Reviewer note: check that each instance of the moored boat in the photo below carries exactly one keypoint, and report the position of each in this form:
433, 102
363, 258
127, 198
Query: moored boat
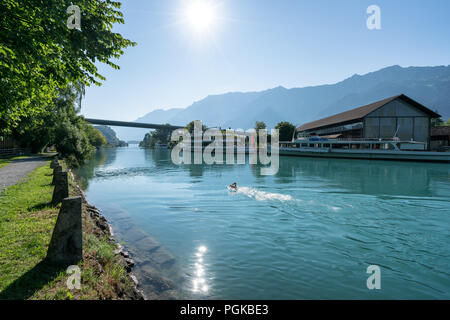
376, 149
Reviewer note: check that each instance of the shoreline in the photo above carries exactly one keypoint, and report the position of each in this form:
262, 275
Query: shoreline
105, 230
29, 220
159, 285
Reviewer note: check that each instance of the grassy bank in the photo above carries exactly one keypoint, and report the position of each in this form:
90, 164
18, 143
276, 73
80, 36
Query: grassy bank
27, 220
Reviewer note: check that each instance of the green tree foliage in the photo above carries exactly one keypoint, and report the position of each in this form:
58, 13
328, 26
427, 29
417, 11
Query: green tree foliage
437, 122
286, 130
111, 137
40, 55
190, 127
60, 125
96, 138
260, 125
148, 142
72, 142
161, 135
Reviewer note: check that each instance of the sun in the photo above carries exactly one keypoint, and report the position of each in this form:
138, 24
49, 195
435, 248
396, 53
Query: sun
201, 15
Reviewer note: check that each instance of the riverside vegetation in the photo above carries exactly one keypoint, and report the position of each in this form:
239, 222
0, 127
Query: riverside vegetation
45, 67
163, 135
27, 219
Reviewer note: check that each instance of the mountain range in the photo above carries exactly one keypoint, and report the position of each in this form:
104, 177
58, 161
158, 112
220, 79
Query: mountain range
428, 85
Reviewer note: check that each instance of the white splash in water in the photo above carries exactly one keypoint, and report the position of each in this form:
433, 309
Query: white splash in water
263, 196
334, 208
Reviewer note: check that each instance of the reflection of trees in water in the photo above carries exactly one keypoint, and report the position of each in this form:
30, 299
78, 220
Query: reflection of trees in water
367, 177
256, 170
357, 176
159, 157
195, 170
111, 155
162, 160
86, 172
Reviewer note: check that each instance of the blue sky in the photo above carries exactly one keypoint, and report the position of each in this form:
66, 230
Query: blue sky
253, 45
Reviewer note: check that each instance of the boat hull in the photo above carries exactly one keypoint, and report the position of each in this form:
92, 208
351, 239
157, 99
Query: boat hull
369, 154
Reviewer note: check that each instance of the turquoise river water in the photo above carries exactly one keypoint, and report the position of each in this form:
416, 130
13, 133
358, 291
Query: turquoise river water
308, 232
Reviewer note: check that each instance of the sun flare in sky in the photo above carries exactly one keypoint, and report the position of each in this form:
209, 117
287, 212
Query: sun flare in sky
201, 15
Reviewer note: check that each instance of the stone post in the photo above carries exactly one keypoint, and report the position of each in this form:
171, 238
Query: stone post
56, 171
61, 190
54, 164
66, 245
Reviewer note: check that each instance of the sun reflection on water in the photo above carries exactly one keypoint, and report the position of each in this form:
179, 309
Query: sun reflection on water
199, 284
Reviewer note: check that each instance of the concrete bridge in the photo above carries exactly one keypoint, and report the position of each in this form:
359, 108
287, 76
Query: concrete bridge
131, 124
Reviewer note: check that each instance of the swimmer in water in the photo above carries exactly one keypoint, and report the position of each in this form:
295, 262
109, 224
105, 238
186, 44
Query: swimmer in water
233, 186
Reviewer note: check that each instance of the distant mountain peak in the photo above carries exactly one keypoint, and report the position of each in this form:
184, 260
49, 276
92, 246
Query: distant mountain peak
427, 85
393, 67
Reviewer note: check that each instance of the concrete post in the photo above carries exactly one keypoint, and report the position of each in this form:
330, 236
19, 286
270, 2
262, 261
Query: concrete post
66, 245
54, 164
61, 190
56, 171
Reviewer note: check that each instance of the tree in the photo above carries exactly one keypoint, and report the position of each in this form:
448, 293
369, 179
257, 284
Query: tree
69, 131
260, 125
60, 125
72, 142
96, 138
190, 127
286, 130
110, 136
435, 122
161, 135
40, 55
148, 141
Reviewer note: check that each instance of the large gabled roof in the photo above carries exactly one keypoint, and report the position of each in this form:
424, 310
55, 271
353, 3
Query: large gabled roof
361, 112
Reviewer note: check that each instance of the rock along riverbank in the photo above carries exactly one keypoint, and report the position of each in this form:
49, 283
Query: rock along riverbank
143, 258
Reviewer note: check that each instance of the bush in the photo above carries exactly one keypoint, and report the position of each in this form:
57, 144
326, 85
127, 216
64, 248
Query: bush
286, 130
96, 138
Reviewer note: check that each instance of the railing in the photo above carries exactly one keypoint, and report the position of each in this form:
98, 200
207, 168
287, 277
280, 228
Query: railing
354, 139
443, 149
6, 143
13, 152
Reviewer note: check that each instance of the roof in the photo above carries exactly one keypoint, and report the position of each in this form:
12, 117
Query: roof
361, 112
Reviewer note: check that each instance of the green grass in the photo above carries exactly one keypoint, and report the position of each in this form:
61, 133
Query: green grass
26, 224
27, 220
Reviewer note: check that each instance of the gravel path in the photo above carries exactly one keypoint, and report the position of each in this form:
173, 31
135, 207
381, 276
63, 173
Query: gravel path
16, 170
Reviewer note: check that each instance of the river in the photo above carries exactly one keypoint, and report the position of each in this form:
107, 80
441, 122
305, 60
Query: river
308, 232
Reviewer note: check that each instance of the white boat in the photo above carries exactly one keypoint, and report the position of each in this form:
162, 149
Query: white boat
374, 149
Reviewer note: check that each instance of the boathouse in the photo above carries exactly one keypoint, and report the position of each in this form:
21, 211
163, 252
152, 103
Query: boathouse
398, 116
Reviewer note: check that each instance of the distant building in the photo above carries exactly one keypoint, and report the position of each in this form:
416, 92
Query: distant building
440, 137
398, 116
